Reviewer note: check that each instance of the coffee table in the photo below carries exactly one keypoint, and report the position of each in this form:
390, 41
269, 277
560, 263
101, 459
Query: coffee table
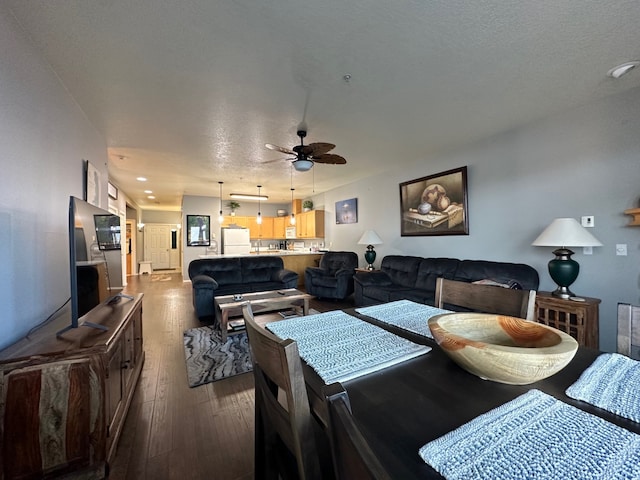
227, 306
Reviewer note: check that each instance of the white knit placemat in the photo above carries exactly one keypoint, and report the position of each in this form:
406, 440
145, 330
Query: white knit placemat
536, 436
405, 314
612, 383
340, 347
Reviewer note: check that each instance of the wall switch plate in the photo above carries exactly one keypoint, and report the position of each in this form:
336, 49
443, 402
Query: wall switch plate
587, 250
621, 249
588, 221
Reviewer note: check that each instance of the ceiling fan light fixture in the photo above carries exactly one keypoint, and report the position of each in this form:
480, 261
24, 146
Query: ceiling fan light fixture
302, 165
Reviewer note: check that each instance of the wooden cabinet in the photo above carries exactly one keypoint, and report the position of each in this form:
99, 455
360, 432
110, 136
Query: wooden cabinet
236, 220
65, 399
279, 226
265, 230
310, 224
578, 319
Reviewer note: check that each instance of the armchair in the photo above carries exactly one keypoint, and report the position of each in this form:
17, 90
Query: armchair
333, 277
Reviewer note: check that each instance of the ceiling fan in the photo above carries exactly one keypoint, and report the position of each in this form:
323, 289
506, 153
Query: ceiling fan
307, 155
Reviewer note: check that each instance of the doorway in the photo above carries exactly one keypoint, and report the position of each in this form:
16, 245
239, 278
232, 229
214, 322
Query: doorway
162, 245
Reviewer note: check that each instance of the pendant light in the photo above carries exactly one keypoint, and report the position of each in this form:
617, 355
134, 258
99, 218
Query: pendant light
259, 217
292, 219
220, 216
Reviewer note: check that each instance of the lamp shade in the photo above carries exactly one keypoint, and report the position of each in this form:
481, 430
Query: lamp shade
370, 237
566, 232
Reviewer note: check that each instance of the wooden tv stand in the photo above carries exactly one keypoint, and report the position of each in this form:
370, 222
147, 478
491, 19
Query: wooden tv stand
64, 400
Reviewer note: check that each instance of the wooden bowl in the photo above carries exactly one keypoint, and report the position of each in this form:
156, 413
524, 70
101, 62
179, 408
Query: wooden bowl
503, 349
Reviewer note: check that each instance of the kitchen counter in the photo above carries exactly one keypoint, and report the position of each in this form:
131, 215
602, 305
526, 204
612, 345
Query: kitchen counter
263, 252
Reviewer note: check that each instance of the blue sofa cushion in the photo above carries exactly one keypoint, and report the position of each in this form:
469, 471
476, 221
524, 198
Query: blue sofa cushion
402, 270
432, 268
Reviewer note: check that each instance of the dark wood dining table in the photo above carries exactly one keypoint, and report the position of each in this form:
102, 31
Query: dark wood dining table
402, 407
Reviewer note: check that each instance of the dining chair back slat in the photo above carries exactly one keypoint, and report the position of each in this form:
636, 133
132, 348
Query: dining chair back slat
351, 454
282, 405
629, 330
485, 298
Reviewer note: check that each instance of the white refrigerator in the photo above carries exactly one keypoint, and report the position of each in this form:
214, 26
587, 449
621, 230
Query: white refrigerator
235, 241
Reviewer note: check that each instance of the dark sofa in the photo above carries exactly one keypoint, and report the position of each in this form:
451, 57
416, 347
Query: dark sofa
212, 277
414, 278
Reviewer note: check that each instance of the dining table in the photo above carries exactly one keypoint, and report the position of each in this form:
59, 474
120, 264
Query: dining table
402, 407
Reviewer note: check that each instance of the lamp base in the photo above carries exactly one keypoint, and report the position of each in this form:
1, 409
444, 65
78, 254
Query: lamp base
370, 257
563, 292
564, 271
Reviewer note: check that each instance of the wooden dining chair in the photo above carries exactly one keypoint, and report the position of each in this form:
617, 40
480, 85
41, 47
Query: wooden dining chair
283, 416
352, 457
485, 298
629, 330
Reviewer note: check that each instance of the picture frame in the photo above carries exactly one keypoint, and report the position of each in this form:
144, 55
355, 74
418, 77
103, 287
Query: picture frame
91, 183
113, 190
347, 211
198, 230
435, 205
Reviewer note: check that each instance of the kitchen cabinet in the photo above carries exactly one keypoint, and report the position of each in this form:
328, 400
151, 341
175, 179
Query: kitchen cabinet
310, 224
65, 399
236, 220
279, 226
261, 231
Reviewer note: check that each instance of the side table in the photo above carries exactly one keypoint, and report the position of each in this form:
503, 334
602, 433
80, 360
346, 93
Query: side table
578, 319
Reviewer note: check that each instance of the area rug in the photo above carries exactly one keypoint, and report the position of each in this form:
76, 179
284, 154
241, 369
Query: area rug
209, 360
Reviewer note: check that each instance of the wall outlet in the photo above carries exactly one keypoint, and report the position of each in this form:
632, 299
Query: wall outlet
587, 250
588, 221
621, 249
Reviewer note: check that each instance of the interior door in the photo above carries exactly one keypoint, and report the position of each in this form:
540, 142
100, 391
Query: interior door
157, 245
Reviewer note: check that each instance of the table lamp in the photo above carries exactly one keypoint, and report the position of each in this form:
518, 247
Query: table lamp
563, 233
370, 238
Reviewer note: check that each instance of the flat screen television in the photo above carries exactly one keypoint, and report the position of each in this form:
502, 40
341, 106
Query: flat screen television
95, 264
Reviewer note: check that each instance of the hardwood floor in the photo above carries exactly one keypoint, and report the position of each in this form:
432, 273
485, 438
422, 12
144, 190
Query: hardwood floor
173, 431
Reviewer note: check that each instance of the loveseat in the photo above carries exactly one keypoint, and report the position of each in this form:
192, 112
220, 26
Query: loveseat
211, 277
414, 278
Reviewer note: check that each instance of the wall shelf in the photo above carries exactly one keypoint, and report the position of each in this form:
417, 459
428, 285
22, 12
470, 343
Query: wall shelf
635, 213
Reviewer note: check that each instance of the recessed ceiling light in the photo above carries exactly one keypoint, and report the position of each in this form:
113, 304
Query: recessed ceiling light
620, 70
151, 197
141, 179
148, 191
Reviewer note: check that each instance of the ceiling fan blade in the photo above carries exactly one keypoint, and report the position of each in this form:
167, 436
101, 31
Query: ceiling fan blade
278, 160
331, 158
271, 146
320, 148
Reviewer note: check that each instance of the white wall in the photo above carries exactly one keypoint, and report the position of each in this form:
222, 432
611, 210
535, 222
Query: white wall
43, 138
582, 162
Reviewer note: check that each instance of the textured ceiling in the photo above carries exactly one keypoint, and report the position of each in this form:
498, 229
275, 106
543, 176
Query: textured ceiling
187, 92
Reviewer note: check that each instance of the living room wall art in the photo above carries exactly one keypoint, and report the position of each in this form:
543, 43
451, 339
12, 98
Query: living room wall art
347, 211
198, 228
91, 183
435, 205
